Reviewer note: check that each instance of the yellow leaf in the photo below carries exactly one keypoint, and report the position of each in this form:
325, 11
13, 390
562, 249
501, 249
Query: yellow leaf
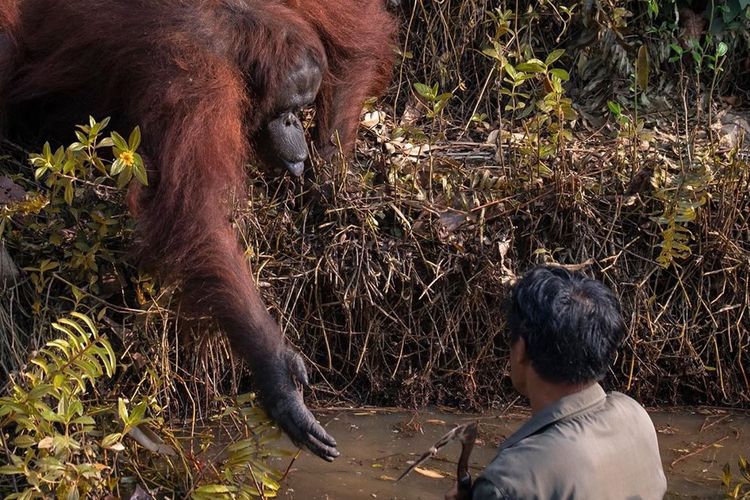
429, 473
45, 443
642, 68
111, 439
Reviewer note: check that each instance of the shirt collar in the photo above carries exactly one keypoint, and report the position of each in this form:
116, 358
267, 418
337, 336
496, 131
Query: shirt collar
562, 408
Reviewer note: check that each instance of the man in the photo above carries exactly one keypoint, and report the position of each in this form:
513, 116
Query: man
580, 441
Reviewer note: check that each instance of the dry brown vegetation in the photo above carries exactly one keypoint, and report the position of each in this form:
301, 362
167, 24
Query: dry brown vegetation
390, 275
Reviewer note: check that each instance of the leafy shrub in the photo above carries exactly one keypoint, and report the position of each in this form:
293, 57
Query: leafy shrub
52, 430
71, 229
64, 438
67, 420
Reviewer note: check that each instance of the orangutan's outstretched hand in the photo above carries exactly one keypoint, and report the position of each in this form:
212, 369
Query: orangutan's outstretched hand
283, 401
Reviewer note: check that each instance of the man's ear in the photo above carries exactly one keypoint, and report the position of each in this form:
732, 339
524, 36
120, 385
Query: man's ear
518, 350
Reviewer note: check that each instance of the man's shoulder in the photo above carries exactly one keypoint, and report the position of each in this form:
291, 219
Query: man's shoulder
619, 398
547, 446
615, 438
571, 435
628, 409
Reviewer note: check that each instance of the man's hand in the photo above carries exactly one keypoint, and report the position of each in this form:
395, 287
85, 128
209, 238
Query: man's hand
462, 491
452, 494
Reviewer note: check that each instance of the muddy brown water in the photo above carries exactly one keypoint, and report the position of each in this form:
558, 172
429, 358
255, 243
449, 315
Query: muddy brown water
376, 446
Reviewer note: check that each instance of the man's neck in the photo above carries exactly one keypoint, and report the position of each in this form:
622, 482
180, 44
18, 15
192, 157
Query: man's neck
542, 393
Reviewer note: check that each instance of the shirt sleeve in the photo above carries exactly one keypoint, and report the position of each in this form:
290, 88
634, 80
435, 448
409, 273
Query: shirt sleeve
484, 490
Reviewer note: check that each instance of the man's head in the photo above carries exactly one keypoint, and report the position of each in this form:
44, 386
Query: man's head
564, 325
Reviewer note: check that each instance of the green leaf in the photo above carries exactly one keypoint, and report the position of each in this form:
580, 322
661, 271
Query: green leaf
40, 391
111, 366
560, 73
424, 90
531, 66
491, 52
122, 410
554, 56
722, 49
124, 178
215, 488
111, 439
84, 420
24, 441
135, 138
69, 166
76, 326
444, 97
48, 265
136, 416
89, 323
60, 344
77, 293
41, 363
69, 192
11, 469
139, 170
117, 167
57, 158
119, 141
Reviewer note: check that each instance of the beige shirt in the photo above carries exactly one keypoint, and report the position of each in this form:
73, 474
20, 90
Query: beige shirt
586, 445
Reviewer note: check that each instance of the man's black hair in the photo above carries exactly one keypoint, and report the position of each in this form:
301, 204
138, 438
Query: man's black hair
571, 324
